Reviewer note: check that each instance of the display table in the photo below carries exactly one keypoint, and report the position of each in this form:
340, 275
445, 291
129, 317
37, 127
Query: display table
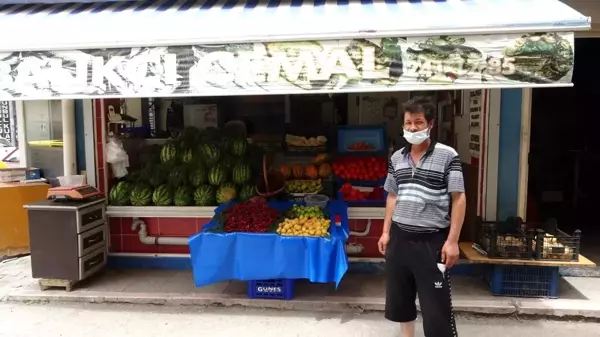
218, 257
472, 256
521, 278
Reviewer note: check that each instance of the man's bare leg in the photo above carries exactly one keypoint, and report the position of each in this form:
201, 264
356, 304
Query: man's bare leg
408, 329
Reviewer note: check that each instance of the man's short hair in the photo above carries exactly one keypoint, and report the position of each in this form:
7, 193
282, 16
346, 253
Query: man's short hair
420, 104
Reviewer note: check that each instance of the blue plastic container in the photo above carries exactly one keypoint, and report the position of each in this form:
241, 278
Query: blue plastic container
33, 174
281, 289
524, 281
372, 134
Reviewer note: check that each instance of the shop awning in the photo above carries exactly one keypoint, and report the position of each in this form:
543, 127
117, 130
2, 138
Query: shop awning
230, 47
188, 22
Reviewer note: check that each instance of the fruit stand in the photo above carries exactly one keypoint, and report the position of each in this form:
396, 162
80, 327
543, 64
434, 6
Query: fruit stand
275, 240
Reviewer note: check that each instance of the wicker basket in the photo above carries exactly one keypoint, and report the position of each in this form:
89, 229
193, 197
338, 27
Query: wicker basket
271, 183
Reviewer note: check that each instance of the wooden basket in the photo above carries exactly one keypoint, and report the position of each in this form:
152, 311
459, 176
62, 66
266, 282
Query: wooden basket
271, 182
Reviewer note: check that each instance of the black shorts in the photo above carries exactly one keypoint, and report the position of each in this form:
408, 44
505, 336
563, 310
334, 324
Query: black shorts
411, 268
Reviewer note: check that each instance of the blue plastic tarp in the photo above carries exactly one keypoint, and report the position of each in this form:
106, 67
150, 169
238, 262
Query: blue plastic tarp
218, 257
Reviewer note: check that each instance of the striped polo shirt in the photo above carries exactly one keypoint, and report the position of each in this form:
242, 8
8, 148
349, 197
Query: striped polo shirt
423, 190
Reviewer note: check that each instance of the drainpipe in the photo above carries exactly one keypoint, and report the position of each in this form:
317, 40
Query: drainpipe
155, 240
69, 138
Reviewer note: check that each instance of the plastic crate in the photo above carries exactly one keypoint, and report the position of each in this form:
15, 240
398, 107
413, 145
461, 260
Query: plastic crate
363, 203
505, 240
556, 246
278, 289
524, 281
374, 135
33, 174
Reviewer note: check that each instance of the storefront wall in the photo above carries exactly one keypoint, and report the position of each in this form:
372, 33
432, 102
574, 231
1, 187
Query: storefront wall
175, 222
92, 74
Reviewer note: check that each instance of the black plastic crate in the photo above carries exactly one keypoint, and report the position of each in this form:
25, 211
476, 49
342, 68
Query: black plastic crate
557, 246
552, 244
505, 239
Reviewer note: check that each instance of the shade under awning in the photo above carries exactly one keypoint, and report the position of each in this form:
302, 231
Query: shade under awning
188, 22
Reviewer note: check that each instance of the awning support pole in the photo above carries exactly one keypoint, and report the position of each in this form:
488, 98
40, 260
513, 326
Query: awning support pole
69, 138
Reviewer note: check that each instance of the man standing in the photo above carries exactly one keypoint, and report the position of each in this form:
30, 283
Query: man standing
420, 234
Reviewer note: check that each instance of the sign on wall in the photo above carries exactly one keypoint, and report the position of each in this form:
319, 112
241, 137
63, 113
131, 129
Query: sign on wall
388, 64
475, 119
5, 124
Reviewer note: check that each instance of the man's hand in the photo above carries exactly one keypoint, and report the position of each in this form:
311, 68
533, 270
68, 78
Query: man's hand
383, 242
449, 253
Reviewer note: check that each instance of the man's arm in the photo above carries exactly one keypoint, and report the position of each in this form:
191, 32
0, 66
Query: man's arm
390, 204
456, 187
459, 206
391, 187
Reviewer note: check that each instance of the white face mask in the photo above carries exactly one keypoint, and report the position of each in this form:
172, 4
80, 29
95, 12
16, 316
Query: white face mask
416, 138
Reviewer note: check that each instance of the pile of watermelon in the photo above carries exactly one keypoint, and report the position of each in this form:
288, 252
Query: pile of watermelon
199, 168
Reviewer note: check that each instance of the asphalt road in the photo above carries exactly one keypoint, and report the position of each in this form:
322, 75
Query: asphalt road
90, 320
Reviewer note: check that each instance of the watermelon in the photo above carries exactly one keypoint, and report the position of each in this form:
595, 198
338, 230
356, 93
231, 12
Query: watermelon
184, 196
168, 153
198, 177
239, 146
177, 176
228, 161
187, 156
119, 194
241, 173
133, 176
157, 176
226, 143
211, 154
191, 134
217, 176
246, 193
141, 195
162, 196
225, 194
204, 195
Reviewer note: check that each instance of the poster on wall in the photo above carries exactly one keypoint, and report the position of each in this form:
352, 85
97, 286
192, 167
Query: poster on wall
359, 65
475, 111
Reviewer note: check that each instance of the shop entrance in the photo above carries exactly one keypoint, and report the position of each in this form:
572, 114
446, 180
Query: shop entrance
565, 152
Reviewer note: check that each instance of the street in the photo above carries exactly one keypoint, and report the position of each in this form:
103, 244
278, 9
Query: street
89, 320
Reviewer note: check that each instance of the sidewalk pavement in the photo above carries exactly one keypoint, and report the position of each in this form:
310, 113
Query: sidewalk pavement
579, 297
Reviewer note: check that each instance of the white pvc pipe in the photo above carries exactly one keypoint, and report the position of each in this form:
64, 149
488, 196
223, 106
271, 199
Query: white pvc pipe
365, 232
354, 249
155, 240
22, 134
69, 139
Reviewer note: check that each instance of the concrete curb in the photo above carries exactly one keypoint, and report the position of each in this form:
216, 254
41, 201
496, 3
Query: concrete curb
549, 308
328, 304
